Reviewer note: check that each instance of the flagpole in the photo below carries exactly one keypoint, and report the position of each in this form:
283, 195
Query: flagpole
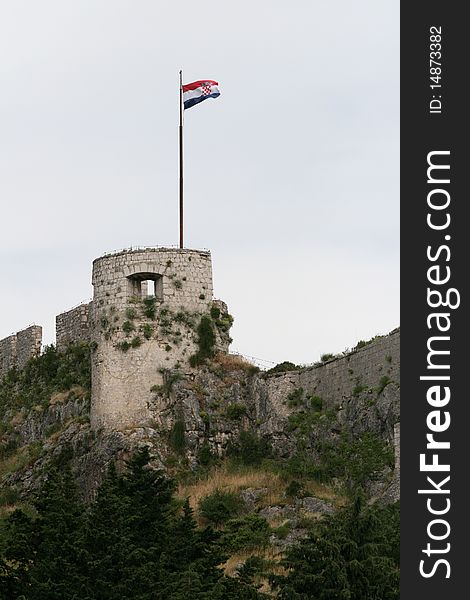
181, 158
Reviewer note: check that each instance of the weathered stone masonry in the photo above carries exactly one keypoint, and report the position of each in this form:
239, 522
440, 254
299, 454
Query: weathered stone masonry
73, 326
17, 349
336, 380
180, 281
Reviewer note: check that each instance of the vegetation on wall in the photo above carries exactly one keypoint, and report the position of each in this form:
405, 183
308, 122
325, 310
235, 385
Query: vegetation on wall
205, 341
283, 367
250, 448
177, 437
45, 375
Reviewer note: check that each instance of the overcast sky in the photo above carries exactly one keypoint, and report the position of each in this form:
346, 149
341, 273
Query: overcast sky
292, 174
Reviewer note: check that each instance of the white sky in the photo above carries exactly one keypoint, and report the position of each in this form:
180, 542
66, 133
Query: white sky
292, 174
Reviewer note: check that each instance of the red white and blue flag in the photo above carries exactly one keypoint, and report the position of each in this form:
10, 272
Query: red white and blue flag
196, 92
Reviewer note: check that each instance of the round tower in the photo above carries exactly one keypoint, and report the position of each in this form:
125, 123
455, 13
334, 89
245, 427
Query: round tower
147, 306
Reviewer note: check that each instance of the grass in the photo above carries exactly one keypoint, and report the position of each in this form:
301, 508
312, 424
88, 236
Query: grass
230, 478
233, 362
76, 391
269, 555
23, 457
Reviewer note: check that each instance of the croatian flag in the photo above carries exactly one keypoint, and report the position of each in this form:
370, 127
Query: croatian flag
196, 92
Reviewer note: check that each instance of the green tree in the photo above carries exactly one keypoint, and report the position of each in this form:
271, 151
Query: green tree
350, 556
45, 548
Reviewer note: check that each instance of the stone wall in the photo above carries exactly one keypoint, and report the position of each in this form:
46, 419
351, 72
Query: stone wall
7, 354
338, 379
17, 349
73, 326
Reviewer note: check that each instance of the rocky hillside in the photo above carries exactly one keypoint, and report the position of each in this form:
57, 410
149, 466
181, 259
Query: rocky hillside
273, 451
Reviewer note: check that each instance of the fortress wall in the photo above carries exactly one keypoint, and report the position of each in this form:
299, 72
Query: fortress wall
73, 326
28, 344
7, 354
17, 349
335, 380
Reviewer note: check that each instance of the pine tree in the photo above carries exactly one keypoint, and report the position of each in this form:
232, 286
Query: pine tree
106, 540
348, 557
45, 549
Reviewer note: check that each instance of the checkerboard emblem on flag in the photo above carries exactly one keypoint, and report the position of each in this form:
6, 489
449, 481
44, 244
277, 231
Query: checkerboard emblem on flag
196, 92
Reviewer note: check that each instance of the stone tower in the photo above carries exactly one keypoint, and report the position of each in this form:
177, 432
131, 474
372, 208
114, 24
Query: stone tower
147, 305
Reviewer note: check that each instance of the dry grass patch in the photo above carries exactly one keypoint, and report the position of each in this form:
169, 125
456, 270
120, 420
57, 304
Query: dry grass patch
324, 492
227, 480
17, 419
22, 457
269, 554
233, 362
75, 391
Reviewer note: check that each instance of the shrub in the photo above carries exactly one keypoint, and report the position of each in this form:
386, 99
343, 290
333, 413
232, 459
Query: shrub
354, 460
177, 436
254, 566
326, 357
147, 330
250, 448
384, 381
206, 341
224, 322
305, 421
131, 313
246, 533
316, 403
185, 318
295, 489
136, 341
215, 312
301, 465
358, 389
149, 307
169, 378
283, 530
9, 496
123, 346
283, 367
235, 411
295, 397
220, 506
205, 455
127, 327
